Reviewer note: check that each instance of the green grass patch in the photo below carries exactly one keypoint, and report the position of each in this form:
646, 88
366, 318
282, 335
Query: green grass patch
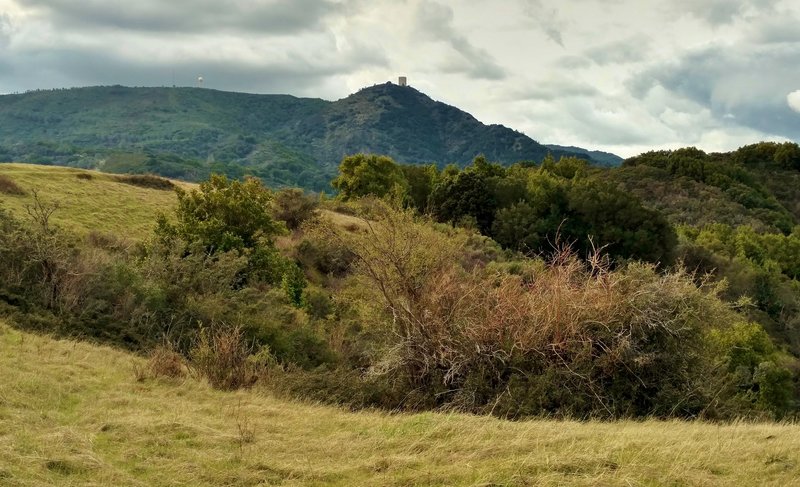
91, 200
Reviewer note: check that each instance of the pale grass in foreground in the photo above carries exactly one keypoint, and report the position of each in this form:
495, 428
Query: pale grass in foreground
72, 413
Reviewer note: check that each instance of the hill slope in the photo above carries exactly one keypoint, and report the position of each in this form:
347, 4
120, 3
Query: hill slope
88, 200
189, 132
73, 413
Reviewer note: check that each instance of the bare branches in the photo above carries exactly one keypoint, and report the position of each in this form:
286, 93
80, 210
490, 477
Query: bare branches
40, 211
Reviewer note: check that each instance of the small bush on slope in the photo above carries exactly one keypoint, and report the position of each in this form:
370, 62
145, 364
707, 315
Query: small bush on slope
9, 186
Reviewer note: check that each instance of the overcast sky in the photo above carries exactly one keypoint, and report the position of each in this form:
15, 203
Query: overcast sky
618, 75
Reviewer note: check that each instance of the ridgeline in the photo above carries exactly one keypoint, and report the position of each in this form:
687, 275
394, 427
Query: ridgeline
188, 133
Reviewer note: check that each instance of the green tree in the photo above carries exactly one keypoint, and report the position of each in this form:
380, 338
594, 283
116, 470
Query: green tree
368, 174
421, 181
468, 194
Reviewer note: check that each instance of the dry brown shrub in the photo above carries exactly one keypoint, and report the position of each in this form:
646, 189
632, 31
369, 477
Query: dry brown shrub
109, 241
10, 187
222, 355
163, 361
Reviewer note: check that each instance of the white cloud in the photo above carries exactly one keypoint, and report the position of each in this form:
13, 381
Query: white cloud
793, 99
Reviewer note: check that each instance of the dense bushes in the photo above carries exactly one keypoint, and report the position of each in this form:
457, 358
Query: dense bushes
570, 338
168, 289
387, 307
523, 208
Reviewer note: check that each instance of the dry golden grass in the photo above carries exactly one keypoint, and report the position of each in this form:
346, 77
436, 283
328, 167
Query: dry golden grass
97, 203
74, 414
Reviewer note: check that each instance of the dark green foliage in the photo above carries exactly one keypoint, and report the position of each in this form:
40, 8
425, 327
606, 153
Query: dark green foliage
469, 193
520, 227
752, 359
328, 258
421, 180
615, 220
744, 178
536, 210
293, 283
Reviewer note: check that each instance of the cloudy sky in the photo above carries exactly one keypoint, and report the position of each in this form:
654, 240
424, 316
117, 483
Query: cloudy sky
618, 75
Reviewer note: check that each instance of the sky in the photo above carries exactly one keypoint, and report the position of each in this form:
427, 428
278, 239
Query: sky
625, 76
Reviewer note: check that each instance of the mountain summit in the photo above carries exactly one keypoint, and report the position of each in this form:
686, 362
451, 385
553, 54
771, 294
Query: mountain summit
190, 132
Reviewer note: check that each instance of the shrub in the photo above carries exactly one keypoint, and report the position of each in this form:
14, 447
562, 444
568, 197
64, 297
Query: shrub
329, 257
225, 215
10, 187
224, 359
293, 207
293, 283
163, 361
150, 181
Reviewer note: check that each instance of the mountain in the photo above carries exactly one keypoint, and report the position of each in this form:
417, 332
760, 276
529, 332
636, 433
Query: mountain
189, 132
599, 157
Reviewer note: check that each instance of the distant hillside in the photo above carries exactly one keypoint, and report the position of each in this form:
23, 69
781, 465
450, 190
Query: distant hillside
757, 185
189, 132
601, 158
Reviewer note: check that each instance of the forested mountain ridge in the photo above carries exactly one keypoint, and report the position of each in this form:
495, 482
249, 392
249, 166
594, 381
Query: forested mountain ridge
189, 133
599, 157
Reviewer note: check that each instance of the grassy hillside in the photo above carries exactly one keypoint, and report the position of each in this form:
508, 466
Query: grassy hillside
74, 414
189, 132
102, 202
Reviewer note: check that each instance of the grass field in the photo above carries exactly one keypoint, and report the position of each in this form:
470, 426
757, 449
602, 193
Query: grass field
74, 414
101, 202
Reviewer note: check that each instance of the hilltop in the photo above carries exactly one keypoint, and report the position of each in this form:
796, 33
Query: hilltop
188, 133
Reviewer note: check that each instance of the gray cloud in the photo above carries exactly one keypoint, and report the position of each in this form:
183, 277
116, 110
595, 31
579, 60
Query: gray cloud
554, 89
435, 21
734, 85
632, 49
5, 29
574, 62
297, 71
545, 19
776, 30
721, 12
263, 16
76, 67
